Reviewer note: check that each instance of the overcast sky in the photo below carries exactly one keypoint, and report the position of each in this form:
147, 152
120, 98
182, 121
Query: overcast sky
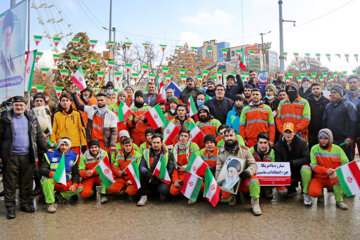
322, 26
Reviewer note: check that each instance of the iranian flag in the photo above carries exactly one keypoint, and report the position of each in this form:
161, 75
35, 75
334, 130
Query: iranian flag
192, 107
196, 165
241, 59
170, 132
307, 55
192, 186
347, 57
56, 40
290, 76
296, 55
37, 39
212, 189
205, 73
111, 44
124, 112
199, 78
224, 52
338, 54
128, 45
111, 64
328, 55
133, 172
60, 174
93, 62
128, 67
135, 76
58, 92
100, 75
152, 77
284, 54
165, 70
146, 46
161, 172
168, 78
161, 91
105, 172
78, 79
318, 56
209, 51
75, 41
74, 60
93, 43
145, 68
155, 117
178, 47
195, 133
118, 76
194, 49
207, 98
182, 71
56, 57
29, 70
63, 73
40, 88
183, 78
356, 57
38, 56
349, 178
44, 72
163, 47
219, 74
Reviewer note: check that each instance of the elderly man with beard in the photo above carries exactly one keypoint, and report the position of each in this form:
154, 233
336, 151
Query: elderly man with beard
137, 122
325, 158
207, 124
102, 123
249, 181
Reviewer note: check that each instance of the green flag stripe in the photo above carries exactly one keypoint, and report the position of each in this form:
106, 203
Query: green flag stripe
342, 181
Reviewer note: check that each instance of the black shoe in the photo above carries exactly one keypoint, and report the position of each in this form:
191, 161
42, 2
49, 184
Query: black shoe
36, 191
1, 193
10, 214
27, 209
74, 198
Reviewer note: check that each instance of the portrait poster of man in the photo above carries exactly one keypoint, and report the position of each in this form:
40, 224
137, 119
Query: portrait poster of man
12, 52
229, 179
263, 77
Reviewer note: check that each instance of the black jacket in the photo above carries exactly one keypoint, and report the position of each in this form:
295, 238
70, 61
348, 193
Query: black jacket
185, 94
37, 140
274, 104
298, 156
317, 111
144, 167
220, 108
236, 89
153, 100
209, 92
305, 94
341, 118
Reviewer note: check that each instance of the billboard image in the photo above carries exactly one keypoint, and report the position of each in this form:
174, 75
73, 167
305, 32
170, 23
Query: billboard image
12, 43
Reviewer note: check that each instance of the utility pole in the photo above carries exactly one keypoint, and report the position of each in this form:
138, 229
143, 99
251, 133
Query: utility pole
110, 29
281, 20
12, 3
263, 49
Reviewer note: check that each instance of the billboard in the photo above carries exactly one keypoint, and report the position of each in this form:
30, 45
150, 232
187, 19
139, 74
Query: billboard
12, 52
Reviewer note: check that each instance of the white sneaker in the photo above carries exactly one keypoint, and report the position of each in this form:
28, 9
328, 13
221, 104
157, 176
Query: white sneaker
256, 206
342, 205
51, 208
142, 200
307, 200
104, 199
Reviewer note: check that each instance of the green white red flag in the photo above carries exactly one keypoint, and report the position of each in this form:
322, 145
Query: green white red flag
145, 69
124, 112
328, 55
161, 172
356, 57
37, 39
318, 55
111, 44
349, 178
93, 43
132, 170
209, 51
128, 67
56, 57
224, 52
163, 47
56, 40
347, 57
183, 78
219, 74
100, 75
199, 78
78, 79
60, 174
93, 62
152, 77
178, 47
38, 56
29, 70
284, 54
75, 41
118, 75
194, 49
182, 71
146, 46
191, 187
170, 132
168, 78
307, 55
63, 73
135, 76
128, 45
74, 60
338, 54
192, 106
296, 55
195, 133
242, 63
165, 70
211, 189
205, 73
155, 117
196, 165
44, 72
105, 172
111, 64
58, 92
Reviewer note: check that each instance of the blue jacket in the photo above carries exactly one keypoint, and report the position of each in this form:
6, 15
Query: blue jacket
233, 121
341, 118
261, 87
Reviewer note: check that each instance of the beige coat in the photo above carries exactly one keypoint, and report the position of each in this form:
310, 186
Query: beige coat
244, 152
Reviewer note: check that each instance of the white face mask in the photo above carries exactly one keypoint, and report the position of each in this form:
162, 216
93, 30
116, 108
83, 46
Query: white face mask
306, 85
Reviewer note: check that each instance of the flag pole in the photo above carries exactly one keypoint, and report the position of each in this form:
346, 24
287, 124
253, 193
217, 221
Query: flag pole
28, 44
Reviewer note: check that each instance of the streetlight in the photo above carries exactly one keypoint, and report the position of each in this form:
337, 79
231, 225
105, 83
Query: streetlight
281, 20
262, 48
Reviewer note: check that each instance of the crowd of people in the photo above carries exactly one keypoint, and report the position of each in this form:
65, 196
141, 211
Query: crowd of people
275, 122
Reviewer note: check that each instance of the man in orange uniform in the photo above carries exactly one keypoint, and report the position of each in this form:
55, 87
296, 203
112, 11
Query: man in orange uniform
88, 161
102, 123
206, 123
137, 123
182, 152
209, 153
256, 118
181, 119
86, 98
294, 109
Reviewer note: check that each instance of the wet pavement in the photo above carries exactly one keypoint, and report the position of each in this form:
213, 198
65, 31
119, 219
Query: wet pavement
285, 218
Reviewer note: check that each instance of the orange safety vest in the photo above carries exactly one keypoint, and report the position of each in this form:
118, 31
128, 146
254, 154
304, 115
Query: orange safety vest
97, 131
211, 161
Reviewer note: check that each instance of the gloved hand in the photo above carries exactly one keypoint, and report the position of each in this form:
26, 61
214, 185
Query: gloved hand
148, 176
245, 174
